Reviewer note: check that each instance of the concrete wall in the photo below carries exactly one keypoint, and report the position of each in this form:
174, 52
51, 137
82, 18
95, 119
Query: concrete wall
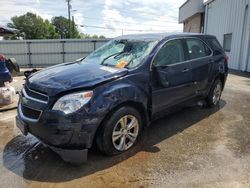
193, 24
43, 53
231, 16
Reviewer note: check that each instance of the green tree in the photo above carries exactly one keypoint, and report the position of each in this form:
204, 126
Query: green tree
87, 36
52, 33
33, 26
62, 25
102, 37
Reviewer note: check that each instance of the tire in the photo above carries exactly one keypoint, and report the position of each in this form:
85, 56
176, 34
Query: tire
213, 98
109, 141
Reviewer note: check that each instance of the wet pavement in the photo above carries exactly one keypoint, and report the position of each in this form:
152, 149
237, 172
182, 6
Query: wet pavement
196, 147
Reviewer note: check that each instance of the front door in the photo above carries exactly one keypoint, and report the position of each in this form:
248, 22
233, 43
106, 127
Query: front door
171, 76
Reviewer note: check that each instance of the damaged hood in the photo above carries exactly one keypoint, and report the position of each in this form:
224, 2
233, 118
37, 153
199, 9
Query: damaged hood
69, 76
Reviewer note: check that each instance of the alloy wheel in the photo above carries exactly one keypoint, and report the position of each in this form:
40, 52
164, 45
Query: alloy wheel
125, 132
217, 93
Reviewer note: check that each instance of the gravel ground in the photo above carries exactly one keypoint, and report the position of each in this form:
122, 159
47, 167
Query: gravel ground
196, 147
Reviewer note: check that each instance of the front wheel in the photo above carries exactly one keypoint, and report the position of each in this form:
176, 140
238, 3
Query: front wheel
214, 95
120, 131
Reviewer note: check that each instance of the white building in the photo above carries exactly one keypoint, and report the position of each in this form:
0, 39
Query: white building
229, 21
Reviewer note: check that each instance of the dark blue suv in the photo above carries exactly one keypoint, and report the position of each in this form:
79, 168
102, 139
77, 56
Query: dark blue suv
109, 96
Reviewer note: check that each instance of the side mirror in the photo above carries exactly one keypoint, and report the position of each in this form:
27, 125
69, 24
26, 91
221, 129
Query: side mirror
161, 73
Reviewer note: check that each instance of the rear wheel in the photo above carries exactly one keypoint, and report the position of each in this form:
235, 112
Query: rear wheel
214, 95
120, 131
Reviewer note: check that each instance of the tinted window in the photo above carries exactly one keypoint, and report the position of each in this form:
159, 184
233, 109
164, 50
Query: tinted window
172, 52
227, 42
197, 49
218, 50
216, 44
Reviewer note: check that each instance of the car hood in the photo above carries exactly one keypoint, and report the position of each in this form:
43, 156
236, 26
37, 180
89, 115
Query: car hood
70, 76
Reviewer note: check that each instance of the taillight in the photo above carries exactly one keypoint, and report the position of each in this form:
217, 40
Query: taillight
226, 58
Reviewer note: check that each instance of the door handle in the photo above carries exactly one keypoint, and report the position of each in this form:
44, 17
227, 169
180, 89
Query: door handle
185, 70
211, 61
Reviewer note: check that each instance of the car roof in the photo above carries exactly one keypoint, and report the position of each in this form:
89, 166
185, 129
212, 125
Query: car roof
159, 36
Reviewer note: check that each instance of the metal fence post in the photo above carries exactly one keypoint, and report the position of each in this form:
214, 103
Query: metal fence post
29, 54
94, 42
63, 50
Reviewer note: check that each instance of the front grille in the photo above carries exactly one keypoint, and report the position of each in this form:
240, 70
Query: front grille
30, 113
34, 95
28, 110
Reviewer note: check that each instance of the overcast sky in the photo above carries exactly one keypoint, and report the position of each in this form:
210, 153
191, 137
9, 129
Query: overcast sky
114, 15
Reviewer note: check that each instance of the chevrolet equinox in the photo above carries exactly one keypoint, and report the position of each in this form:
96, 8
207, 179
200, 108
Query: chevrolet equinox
108, 97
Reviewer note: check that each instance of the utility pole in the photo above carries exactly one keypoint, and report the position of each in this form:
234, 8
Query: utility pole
73, 22
69, 7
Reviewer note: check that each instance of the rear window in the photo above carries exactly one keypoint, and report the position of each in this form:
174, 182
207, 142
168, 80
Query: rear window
214, 43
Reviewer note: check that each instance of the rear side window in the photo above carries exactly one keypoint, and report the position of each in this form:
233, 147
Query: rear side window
218, 50
216, 44
170, 53
197, 49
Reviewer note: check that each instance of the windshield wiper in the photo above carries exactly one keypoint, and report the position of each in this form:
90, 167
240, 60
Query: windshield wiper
116, 54
102, 63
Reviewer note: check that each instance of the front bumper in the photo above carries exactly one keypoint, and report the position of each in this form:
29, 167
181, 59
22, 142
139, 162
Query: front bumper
69, 136
58, 130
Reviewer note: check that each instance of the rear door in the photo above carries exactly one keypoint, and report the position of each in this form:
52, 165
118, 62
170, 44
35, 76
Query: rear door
171, 76
201, 61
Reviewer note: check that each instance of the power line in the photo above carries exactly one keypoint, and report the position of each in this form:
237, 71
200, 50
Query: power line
124, 10
138, 25
129, 13
133, 15
130, 23
109, 28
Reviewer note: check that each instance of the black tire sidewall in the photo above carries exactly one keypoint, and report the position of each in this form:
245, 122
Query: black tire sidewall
105, 136
211, 93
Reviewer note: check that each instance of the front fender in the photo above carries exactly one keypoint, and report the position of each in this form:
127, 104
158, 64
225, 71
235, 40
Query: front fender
113, 94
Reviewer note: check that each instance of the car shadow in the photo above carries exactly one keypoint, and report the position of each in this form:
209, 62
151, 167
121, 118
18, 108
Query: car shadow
30, 159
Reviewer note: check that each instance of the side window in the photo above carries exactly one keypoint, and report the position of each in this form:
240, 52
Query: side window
218, 50
216, 43
197, 49
172, 52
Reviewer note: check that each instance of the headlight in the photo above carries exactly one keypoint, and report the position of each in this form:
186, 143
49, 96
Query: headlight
72, 102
